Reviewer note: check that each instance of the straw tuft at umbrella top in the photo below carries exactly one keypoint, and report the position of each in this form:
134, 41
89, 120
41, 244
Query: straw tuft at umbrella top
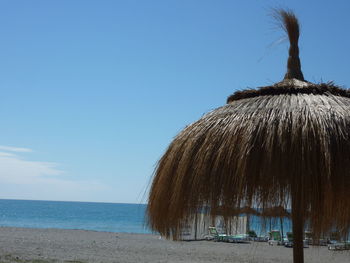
290, 25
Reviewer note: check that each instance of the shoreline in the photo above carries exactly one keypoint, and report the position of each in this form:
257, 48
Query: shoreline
48, 245
73, 229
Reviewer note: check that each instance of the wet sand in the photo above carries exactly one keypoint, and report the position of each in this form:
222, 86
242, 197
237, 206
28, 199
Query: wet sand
27, 245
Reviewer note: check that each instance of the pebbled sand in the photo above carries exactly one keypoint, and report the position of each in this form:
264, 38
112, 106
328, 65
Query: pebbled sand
26, 245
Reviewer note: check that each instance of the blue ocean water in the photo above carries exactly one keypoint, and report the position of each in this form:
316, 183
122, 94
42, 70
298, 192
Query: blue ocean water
108, 217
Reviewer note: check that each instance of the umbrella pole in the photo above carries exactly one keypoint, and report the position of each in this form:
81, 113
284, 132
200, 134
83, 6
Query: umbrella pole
298, 227
281, 222
248, 224
195, 226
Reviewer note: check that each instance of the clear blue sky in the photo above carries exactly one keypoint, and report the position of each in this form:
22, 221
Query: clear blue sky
92, 92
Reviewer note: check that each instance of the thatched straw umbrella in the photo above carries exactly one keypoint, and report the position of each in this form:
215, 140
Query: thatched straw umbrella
288, 143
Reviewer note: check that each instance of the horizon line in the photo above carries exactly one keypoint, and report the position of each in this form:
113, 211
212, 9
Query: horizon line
72, 201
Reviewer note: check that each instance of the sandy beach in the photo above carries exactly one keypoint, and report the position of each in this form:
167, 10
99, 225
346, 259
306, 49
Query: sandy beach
55, 245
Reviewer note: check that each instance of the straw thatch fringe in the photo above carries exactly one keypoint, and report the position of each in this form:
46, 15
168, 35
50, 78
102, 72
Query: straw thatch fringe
291, 87
252, 152
276, 211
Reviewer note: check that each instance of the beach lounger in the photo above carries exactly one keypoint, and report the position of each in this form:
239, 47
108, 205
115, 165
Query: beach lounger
289, 242
275, 238
308, 237
254, 237
335, 242
215, 234
334, 237
262, 239
242, 238
315, 241
339, 246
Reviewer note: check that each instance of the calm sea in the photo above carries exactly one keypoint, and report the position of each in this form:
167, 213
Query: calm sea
108, 217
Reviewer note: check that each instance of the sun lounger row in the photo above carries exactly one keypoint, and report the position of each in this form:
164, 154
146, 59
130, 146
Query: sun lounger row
275, 238
241, 238
339, 246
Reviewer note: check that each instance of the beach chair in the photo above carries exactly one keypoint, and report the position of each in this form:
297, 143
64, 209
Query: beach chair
275, 238
289, 242
252, 234
334, 237
213, 232
335, 242
319, 242
254, 237
241, 238
340, 246
309, 236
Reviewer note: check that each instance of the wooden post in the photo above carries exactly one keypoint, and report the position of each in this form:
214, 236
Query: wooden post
248, 223
195, 225
298, 225
281, 222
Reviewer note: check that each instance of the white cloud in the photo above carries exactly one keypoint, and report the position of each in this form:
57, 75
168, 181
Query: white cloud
4, 154
13, 169
24, 179
14, 149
